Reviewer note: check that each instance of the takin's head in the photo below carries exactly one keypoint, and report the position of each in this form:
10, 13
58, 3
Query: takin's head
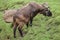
45, 10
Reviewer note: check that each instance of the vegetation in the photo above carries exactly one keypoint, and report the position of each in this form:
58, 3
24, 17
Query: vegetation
44, 28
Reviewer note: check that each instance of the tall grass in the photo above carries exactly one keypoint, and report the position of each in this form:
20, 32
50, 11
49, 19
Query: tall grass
44, 28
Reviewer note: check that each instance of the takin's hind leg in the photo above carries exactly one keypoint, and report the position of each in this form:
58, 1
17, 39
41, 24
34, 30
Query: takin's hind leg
20, 29
14, 30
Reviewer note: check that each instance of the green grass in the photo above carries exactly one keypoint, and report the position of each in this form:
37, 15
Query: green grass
44, 28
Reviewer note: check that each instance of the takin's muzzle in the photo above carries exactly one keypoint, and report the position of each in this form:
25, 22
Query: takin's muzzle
49, 13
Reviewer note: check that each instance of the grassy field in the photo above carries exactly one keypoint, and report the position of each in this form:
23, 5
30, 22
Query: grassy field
44, 28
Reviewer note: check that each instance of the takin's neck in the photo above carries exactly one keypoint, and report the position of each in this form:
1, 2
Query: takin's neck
35, 13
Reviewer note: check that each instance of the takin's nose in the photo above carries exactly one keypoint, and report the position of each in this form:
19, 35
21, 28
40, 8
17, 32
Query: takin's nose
49, 13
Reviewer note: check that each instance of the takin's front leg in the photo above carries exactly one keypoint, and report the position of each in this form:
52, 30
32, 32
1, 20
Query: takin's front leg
27, 24
31, 20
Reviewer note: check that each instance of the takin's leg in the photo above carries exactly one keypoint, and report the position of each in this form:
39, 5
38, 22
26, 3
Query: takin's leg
31, 20
20, 29
14, 29
27, 24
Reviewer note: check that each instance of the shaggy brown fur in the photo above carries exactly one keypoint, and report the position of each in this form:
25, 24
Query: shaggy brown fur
8, 15
27, 13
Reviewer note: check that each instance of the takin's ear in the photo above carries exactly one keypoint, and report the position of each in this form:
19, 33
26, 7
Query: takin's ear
45, 5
